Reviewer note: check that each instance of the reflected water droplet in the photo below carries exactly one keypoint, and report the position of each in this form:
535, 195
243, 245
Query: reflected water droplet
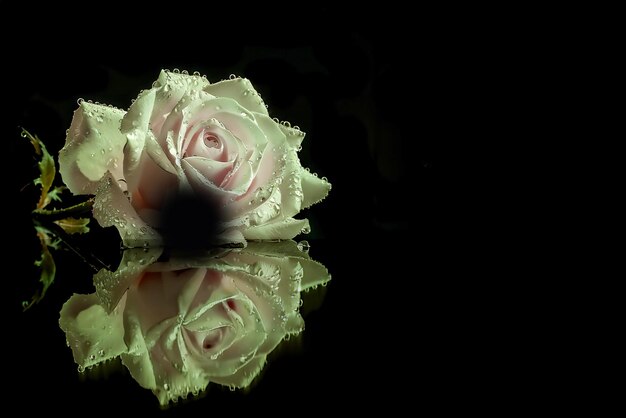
304, 246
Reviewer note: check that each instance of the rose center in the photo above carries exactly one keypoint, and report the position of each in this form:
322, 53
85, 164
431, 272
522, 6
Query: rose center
212, 339
211, 141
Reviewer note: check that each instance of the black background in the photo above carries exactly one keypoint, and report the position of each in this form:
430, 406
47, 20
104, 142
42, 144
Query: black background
384, 106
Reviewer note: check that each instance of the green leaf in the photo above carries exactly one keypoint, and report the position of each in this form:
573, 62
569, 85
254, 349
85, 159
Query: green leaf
55, 194
73, 225
47, 267
47, 170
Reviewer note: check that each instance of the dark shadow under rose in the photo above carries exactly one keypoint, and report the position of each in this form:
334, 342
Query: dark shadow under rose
181, 324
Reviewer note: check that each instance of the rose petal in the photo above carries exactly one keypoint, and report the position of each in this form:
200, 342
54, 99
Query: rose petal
202, 185
93, 146
170, 89
137, 358
315, 274
293, 136
93, 335
284, 229
112, 208
294, 324
213, 171
154, 188
314, 189
244, 375
241, 90
272, 130
111, 286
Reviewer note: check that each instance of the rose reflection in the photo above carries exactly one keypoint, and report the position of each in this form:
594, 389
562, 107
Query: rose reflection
182, 323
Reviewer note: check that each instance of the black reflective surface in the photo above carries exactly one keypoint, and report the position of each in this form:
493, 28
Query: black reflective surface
388, 311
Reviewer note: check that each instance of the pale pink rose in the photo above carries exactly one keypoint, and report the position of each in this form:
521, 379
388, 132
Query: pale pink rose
180, 325
185, 135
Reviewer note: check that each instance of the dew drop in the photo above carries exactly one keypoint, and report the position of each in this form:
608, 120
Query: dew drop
92, 357
185, 72
304, 246
101, 353
196, 73
176, 71
80, 101
232, 76
306, 229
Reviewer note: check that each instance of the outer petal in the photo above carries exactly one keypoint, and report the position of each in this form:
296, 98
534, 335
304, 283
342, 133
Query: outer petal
241, 90
94, 145
245, 375
314, 274
111, 286
314, 189
294, 136
93, 335
170, 89
285, 229
112, 208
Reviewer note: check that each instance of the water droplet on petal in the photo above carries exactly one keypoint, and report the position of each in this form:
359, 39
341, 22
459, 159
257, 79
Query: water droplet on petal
304, 246
232, 76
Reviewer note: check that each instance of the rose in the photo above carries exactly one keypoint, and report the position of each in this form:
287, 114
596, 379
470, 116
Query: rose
185, 135
181, 324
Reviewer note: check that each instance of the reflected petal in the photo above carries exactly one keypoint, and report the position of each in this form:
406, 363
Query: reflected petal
180, 323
